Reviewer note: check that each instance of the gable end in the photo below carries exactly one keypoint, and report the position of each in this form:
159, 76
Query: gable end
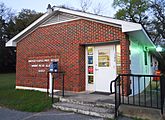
60, 17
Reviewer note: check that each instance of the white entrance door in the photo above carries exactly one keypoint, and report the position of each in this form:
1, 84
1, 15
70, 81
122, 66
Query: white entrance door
105, 67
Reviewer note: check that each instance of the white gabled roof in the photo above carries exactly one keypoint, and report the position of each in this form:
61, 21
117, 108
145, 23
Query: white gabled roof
126, 26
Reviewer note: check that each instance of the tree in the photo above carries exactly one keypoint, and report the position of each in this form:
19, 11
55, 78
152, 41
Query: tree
132, 10
98, 9
6, 13
85, 5
10, 25
25, 18
150, 14
7, 57
11, 29
158, 25
158, 21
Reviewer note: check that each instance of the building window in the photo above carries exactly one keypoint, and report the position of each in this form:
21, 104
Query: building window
90, 67
118, 59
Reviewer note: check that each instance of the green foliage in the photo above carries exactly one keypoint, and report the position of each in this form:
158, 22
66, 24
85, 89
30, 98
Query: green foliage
6, 13
158, 21
132, 10
25, 18
7, 55
9, 27
31, 101
150, 14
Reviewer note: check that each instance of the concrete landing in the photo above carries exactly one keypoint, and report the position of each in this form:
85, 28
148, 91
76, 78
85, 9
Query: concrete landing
141, 112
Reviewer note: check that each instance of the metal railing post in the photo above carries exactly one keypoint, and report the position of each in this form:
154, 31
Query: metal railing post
52, 87
116, 106
119, 91
63, 84
162, 94
47, 82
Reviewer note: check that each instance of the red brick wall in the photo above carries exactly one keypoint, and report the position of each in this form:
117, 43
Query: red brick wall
125, 65
64, 41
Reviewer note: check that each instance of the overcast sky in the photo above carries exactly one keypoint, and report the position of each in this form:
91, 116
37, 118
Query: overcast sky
41, 5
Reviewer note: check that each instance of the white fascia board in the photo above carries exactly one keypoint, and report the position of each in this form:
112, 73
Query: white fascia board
130, 27
148, 38
126, 26
12, 42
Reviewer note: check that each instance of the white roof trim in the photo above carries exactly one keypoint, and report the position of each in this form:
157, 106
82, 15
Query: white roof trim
148, 38
126, 26
98, 21
11, 43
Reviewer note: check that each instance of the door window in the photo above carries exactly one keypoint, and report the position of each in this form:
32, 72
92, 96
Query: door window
103, 58
90, 79
90, 50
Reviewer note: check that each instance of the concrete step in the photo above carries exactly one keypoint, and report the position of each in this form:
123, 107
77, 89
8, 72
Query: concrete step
92, 104
87, 109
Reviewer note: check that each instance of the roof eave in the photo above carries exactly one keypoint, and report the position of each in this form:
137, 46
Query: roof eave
126, 26
148, 37
10, 44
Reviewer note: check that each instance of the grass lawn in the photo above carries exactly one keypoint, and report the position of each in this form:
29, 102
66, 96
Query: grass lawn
24, 100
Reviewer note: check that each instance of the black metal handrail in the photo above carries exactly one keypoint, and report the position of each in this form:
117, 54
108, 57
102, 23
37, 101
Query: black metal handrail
139, 75
146, 91
111, 83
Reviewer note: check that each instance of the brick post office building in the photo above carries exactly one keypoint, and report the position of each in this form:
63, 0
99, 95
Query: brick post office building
91, 49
